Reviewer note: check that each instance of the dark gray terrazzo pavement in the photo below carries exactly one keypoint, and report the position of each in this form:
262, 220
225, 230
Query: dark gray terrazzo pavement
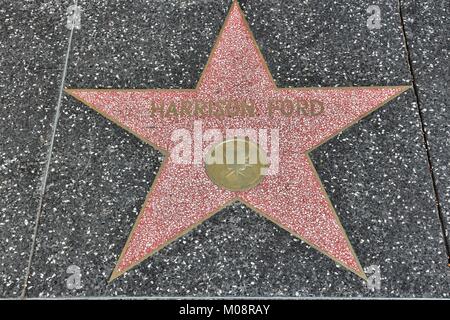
376, 173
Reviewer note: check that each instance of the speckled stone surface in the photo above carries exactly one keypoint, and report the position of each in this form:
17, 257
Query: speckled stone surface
427, 30
33, 40
376, 173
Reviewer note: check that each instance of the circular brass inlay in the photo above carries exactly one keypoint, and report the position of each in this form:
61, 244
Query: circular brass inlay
236, 164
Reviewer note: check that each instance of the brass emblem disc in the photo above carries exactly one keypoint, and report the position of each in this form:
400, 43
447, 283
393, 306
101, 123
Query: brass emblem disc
236, 164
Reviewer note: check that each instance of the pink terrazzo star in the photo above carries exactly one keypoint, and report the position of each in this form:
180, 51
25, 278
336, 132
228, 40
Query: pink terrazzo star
183, 196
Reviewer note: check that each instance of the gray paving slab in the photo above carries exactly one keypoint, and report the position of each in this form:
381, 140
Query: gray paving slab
33, 40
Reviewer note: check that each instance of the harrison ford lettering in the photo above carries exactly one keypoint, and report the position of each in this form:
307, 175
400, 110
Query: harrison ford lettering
199, 109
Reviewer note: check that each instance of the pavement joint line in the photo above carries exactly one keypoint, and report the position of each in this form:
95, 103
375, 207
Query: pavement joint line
44, 177
424, 133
